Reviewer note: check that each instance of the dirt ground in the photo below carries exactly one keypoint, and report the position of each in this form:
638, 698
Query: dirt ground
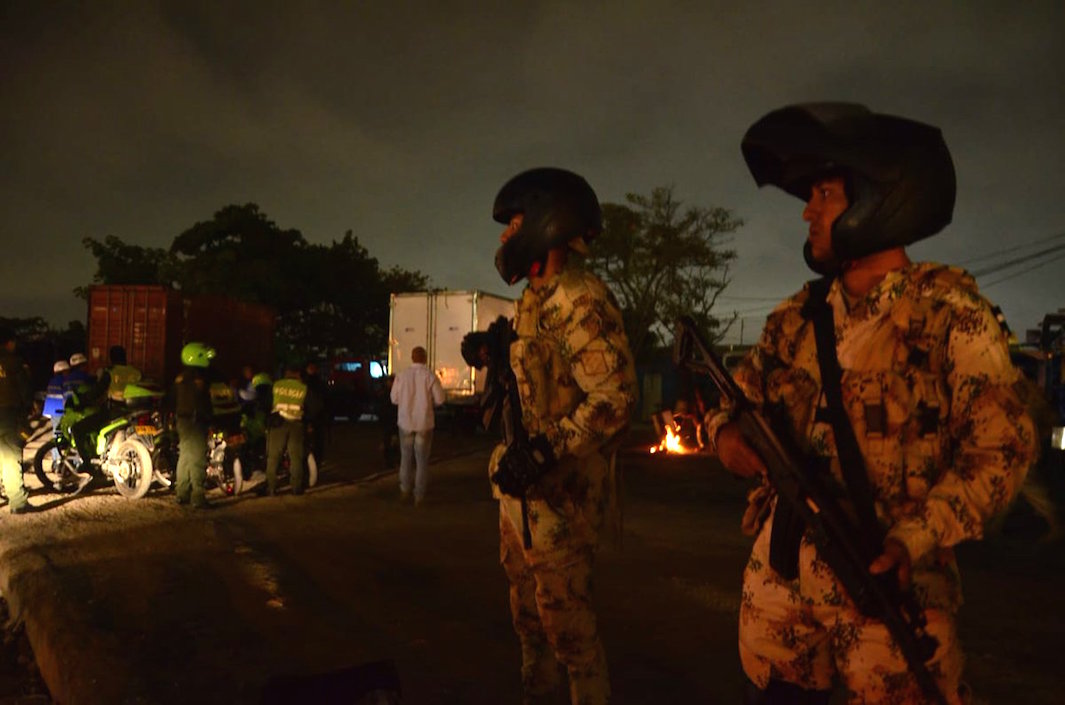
147, 602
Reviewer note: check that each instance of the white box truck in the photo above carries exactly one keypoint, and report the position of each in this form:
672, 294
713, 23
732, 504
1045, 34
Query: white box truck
437, 321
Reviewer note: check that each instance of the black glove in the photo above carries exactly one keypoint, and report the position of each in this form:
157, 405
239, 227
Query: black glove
523, 464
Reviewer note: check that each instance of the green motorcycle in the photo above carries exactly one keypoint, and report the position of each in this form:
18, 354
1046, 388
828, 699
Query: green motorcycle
132, 449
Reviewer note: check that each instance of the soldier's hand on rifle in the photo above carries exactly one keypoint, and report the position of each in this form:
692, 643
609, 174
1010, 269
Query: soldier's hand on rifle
737, 457
894, 555
523, 464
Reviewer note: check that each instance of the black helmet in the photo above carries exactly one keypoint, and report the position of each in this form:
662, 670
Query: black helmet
898, 173
558, 206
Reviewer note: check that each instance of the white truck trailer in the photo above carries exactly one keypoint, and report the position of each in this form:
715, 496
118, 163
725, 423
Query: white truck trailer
437, 321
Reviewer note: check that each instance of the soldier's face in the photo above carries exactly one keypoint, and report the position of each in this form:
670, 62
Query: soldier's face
515, 225
828, 200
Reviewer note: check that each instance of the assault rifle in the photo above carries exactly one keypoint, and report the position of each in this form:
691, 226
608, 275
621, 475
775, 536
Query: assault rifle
831, 529
490, 349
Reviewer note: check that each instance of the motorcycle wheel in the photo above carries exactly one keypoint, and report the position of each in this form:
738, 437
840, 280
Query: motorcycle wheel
233, 481
312, 470
54, 466
135, 460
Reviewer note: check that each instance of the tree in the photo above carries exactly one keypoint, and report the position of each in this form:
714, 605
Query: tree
662, 261
121, 263
328, 298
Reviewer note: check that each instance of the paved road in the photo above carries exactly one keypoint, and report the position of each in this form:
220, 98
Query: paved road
146, 602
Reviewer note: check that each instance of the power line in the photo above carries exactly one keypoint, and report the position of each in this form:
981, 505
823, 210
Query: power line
754, 298
1024, 271
1018, 260
1009, 250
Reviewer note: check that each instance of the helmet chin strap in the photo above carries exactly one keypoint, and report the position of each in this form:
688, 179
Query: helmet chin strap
831, 267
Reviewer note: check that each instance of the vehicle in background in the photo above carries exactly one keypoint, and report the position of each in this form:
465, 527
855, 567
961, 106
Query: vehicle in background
355, 385
438, 321
1042, 359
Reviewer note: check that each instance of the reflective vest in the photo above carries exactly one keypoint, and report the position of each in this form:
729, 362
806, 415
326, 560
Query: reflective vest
223, 400
121, 375
289, 396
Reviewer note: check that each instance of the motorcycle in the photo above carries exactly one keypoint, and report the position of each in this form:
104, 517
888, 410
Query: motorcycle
253, 454
224, 466
132, 450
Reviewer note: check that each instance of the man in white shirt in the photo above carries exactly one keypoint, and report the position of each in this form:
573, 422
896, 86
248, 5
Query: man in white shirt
416, 391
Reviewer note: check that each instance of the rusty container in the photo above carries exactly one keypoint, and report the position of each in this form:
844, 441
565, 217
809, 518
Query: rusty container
153, 322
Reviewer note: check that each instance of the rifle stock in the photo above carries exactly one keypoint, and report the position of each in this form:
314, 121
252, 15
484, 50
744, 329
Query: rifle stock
832, 530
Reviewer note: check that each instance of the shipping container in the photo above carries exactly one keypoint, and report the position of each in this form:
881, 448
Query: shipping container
437, 321
145, 320
242, 333
153, 323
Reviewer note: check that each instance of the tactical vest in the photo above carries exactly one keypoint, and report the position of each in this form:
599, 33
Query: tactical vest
223, 400
289, 397
191, 399
121, 375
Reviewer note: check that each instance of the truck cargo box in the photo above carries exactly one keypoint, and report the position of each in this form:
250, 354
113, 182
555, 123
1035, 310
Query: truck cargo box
438, 321
153, 323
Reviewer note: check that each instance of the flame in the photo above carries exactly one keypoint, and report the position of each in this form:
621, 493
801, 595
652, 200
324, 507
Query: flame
672, 443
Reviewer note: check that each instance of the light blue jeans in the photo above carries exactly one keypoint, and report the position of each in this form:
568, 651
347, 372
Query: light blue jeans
414, 445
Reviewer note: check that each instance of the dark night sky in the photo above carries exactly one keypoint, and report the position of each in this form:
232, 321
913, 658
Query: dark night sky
400, 121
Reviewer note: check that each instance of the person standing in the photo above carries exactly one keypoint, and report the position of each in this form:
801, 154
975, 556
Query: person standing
286, 431
576, 382
16, 398
316, 411
192, 408
894, 378
415, 391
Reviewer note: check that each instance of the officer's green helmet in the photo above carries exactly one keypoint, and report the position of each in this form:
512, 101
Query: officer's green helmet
196, 354
261, 379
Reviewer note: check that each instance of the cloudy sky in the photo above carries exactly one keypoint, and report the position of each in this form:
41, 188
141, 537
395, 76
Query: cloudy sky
399, 121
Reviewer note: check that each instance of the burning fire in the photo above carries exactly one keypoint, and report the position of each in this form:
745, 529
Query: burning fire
672, 443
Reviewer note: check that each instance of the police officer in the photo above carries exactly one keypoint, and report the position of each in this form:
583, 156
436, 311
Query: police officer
286, 432
316, 410
77, 379
943, 441
577, 388
192, 409
16, 398
55, 392
119, 375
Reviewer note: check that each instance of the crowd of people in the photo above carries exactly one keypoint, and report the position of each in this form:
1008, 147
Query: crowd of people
288, 415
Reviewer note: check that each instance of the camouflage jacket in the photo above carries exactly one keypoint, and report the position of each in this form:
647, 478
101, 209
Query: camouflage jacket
929, 390
575, 372
577, 384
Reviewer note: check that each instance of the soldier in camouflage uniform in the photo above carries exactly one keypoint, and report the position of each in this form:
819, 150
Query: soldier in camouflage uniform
927, 386
577, 388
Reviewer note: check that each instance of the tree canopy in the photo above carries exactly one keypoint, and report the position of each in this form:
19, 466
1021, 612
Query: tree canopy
663, 260
329, 298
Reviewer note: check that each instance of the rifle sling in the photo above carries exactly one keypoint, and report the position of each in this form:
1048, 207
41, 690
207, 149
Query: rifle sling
852, 463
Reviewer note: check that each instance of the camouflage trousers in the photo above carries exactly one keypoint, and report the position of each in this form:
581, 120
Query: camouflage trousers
551, 608
808, 632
